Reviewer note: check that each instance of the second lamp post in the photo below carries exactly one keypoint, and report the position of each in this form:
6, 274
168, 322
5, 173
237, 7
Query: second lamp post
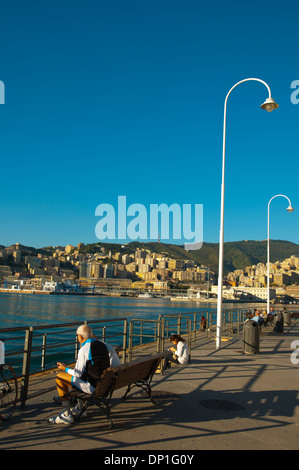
289, 209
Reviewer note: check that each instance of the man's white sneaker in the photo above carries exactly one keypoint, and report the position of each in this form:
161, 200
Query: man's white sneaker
63, 418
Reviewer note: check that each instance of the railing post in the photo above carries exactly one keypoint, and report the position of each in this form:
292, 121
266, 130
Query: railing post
77, 347
125, 335
159, 325
210, 324
130, 341
179, 325
189, 327
26, 365
44, 348
194, 325
158, 335
162, 329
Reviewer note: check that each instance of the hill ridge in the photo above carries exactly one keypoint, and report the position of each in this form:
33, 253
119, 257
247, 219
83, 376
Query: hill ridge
237, 254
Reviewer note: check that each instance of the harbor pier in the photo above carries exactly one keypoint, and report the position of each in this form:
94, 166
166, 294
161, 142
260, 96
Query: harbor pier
221, 400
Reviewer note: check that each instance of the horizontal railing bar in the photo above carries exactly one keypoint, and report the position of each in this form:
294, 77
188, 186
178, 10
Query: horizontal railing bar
61, 325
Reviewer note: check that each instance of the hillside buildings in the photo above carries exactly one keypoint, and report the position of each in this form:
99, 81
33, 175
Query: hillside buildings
252, 281
94, 267
60, 267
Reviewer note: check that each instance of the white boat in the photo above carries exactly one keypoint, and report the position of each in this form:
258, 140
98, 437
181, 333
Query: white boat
146, 295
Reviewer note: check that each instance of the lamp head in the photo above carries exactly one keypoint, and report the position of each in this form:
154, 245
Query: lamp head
290, 208
269, 105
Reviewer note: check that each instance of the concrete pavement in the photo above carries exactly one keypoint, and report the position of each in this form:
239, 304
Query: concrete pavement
222, 400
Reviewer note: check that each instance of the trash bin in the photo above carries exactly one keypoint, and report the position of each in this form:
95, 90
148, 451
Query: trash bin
286, 318
278, 323
251, 337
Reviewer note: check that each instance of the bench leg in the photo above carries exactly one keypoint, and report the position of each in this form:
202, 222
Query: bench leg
106, 408
144, 386
127, 391
103, 406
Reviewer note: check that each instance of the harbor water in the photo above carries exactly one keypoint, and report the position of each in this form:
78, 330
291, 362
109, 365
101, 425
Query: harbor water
18, 310
43, 311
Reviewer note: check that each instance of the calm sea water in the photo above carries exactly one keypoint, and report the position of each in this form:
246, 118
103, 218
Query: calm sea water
24, 310
32, 309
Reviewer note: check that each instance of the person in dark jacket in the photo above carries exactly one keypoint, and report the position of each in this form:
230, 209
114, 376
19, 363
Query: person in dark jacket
93, 359
203, 323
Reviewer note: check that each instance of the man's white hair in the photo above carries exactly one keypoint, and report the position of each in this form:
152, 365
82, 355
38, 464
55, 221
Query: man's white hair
85, 331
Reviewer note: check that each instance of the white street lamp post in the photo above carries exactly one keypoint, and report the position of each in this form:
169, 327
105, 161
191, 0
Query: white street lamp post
289, 209
268, 105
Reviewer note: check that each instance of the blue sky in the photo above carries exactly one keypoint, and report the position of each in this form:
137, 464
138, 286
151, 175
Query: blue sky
105, 98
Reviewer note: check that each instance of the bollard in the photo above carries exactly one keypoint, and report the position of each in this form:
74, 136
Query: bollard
251, 337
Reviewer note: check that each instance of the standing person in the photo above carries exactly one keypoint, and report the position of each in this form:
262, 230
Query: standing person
203, 323
93, 359
180, 351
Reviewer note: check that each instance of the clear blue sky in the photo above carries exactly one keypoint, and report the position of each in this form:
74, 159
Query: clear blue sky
111, 97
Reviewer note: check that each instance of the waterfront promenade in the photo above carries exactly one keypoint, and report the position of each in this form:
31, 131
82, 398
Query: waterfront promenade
222, 400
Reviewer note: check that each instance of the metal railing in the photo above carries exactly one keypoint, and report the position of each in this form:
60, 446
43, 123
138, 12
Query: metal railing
37, 349
34, 350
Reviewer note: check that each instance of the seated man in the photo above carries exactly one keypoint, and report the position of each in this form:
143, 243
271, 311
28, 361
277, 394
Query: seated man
270, 316
93, 359
258, 318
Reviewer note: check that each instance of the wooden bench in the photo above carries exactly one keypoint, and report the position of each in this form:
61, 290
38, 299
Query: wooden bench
138, 373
